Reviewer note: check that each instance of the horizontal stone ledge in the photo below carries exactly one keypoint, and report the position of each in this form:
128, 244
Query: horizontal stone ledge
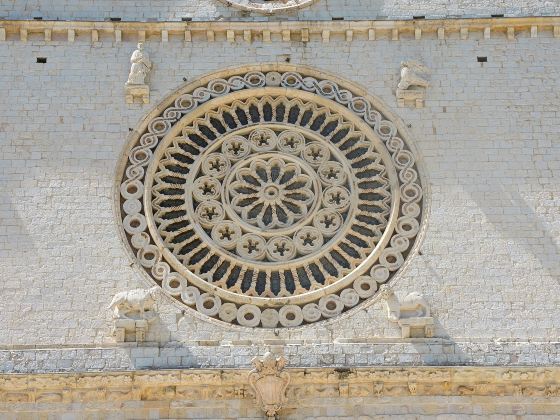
110, 344
201, 384
287, 31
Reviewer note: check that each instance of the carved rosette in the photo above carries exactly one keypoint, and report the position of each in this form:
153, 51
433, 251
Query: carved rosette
269, 382
269, 198
268, 6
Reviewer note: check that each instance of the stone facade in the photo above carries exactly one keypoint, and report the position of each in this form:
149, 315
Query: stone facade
486, 260
173, 10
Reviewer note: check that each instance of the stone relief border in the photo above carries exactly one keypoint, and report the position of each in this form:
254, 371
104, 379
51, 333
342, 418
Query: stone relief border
268, 7
138, 154
292, 31
199, 384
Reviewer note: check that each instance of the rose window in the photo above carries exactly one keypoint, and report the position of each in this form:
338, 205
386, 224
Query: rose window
271, 192
270, 199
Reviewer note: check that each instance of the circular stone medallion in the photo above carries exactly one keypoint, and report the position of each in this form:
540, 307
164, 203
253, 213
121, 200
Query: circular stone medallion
268, 6
269, 199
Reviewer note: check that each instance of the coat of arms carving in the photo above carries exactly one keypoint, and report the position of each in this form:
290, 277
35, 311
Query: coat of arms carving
269, 382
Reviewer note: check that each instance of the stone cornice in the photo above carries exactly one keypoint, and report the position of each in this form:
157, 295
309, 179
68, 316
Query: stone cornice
201, 384
296, 31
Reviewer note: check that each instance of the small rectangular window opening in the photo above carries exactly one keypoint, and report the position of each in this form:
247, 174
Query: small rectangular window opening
37, 18
115, 19
499, 15
418, 17
41, 60
186, 19
482, 59
337, 18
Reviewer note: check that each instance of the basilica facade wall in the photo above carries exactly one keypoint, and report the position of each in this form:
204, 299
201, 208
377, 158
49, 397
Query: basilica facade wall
203, 10
486, 256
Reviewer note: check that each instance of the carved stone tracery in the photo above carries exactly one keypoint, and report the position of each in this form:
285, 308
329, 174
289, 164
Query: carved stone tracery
270, 198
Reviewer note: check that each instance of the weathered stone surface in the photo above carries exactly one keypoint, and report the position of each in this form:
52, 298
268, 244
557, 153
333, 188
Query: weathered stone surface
321, 9
472, 203
485, 146
332, 392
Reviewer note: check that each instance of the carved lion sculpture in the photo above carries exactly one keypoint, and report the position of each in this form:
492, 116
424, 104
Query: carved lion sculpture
413, 305
137, 300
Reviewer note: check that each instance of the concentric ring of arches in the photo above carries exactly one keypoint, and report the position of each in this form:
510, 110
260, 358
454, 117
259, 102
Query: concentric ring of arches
345, 271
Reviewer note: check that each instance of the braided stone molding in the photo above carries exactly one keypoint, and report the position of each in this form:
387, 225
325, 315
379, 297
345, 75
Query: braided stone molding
268, 6
197, 384
270, 197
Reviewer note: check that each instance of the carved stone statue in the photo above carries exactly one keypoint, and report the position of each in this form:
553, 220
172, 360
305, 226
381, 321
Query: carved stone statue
411, 313
412, 305
136, 300
269, 383
410, 77
140, 68
412, 85
132, 311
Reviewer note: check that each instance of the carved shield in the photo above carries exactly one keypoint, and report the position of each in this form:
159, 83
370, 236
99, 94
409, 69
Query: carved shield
270, 391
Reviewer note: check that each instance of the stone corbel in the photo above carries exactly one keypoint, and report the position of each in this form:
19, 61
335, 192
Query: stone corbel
413, 98
133, 92
138, 327
421, 327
